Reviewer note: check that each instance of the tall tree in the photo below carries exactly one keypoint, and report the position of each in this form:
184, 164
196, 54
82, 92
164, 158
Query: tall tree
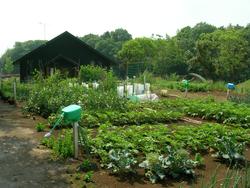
222, 55
139, 50
168, 58
8, 65
19, 49
109, 43
187, 37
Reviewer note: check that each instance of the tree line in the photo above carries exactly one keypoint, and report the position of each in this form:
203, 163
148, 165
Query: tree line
217, 53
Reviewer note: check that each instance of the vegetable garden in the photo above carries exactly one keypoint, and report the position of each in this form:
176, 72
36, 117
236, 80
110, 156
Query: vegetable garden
152, 138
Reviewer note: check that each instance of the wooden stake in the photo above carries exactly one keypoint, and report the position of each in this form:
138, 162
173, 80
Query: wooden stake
14, 89
144, 82
228, 93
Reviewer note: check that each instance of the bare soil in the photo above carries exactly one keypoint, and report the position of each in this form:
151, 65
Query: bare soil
217, 95
23, 162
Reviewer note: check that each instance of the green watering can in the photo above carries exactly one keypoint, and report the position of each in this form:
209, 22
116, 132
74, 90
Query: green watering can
70, 114
185, 83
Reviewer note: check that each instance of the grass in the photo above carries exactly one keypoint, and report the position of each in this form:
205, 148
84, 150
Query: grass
195, 86
233, 178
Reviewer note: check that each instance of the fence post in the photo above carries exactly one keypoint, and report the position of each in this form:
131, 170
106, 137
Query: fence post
0, 80
144, 82
75, 139
228, 93
14, 89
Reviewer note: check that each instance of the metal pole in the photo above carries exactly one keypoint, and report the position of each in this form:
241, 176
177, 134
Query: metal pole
186, 91
75, 139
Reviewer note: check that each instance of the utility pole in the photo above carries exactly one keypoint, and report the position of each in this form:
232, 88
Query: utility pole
44, 30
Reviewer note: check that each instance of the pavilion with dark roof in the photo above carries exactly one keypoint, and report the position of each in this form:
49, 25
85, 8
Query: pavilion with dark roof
65, 53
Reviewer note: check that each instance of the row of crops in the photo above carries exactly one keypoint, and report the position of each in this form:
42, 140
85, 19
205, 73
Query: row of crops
124, 136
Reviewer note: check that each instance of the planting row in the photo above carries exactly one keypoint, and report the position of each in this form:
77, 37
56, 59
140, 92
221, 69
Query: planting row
208, 109
157, 148
115, 118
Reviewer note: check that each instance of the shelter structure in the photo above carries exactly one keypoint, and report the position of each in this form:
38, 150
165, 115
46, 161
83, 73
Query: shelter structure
65, 53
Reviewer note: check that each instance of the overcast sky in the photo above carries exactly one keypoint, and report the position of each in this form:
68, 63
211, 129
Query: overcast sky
21, 19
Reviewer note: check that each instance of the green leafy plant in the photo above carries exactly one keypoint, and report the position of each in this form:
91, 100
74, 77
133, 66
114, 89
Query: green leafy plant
175, 163
62, 146
121, 161
90, 73
153, 167
88, 177
87, 165
40, 127
229, 149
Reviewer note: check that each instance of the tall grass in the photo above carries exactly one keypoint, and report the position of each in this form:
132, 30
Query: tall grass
233, 179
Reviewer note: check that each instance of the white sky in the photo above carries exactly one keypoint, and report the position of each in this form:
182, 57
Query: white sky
19, 19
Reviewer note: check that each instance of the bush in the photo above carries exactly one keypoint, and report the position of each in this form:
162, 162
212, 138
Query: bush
50, 95
101, 100
91, 73
62, 146
110, 82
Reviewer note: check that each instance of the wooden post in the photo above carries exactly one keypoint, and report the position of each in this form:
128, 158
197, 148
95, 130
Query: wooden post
0, 81
144, 82
127, 87
133, 85
14, 89
228, 93
75, 139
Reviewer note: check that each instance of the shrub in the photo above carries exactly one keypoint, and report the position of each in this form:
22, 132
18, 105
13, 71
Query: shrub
50, 95
99, 100
90, 73
62, 146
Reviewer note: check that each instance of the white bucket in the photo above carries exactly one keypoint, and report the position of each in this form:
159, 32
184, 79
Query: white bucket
147, 87
129, 90
120, 91
139, 89
95, 85
85, 85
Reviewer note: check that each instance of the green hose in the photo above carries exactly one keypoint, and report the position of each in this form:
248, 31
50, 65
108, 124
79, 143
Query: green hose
58, 121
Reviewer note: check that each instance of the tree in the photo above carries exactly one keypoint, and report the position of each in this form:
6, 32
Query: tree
8, 65
91, 39
222, 55
121, 35
139, 50
109, 43
168, 59
187, 37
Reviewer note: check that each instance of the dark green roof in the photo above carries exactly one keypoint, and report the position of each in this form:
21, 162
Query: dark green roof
62, 36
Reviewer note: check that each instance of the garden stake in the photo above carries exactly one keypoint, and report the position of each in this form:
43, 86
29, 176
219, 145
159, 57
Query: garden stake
144, 82
230, 86
14, 89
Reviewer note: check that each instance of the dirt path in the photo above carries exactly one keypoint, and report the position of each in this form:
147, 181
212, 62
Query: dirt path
22, 162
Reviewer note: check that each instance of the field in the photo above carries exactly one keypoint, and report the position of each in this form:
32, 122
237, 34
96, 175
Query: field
201, 140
